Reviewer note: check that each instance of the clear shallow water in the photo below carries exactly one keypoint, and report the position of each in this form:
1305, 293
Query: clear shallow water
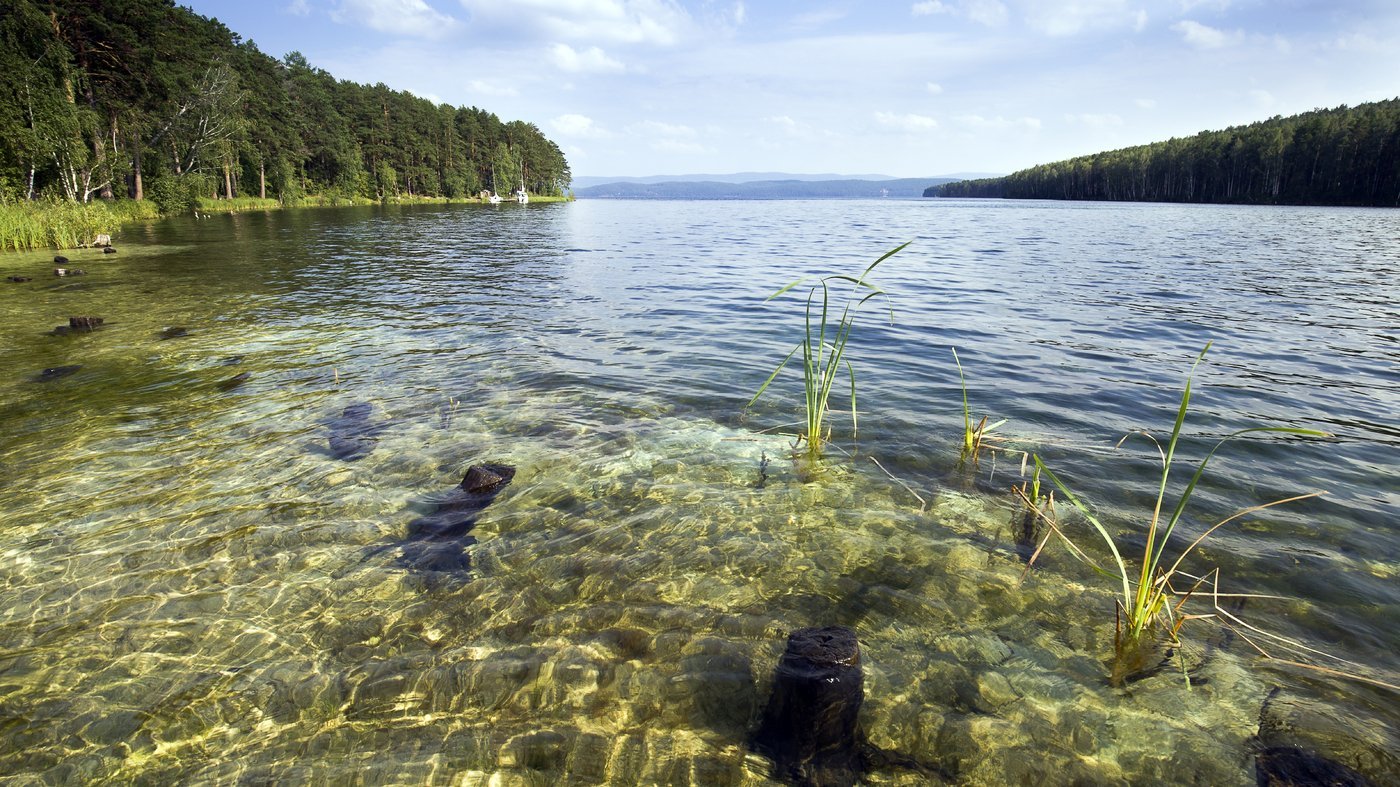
193, 589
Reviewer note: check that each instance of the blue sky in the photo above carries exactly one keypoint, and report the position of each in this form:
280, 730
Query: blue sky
913, 88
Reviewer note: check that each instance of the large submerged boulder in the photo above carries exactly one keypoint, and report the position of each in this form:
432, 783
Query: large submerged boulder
810, 726
354, 433
438, 541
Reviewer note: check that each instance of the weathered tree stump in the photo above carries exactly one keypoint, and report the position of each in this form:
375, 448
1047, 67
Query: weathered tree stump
84, 324
810, 727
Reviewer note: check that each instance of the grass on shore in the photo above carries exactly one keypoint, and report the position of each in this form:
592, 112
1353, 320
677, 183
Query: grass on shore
64, 225
60, 224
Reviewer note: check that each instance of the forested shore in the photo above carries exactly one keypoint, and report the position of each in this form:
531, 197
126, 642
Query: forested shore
146, 101
1341, 156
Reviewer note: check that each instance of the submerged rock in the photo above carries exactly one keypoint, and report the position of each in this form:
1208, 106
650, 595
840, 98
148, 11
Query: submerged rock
810, 726
354, 433
438, 541
54, 373
1309, 742
232, 360
1289, 766
79, 325
174, 332
109, 250
61, 272
59, 259
234, 381
20, 279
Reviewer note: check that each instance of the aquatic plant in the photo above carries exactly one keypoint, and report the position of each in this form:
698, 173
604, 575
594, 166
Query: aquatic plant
59, 224
823, 349
1151, 607
972, 436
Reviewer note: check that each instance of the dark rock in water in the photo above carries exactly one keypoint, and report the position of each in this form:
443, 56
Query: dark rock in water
810, 726
232, 360
55, 372
20, 279
59, 259
77, 325
354, 433
484, 478
1305, 741
109, 250
174, 332
438, 541
235, 381
1289, 766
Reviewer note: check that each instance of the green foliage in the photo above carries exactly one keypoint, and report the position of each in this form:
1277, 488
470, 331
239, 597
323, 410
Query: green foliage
179, 195
1342, 156
823, 349
1149, 603
97, 95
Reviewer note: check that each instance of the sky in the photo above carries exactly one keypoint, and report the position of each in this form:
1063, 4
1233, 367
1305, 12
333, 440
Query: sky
916, 88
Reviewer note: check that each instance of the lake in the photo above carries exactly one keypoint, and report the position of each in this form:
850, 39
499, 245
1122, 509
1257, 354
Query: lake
214, 564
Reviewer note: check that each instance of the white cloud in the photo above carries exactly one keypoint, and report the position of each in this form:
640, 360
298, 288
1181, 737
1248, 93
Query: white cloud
991, 13
490, 87
677, 146
979, 122
815, 19
412, 18
1095, 120
1070, 18
298, 8
656, 22
1262, 98
784, 122
987, 12
1145, 103
1203, 36
1140, 21
580, 126
588, 61
907, 122
656, 127
933, 88
928, 7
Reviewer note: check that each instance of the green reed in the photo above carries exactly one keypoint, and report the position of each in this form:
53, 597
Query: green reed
972, 435
1150, 604
823, 349
60, 224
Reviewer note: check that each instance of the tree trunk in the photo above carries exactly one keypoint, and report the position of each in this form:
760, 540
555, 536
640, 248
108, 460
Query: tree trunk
228, 181
137, 192
262, 180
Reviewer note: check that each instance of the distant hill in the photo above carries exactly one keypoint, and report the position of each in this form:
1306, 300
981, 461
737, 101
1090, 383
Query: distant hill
1342, 156
762, 189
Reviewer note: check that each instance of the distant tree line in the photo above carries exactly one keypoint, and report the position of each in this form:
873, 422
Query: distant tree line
142, 98
1342, 156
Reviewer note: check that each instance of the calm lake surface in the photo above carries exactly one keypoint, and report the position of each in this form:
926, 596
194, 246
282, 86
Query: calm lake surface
198, 585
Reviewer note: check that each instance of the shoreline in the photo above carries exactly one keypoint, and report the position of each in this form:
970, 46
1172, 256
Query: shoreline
59, 226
